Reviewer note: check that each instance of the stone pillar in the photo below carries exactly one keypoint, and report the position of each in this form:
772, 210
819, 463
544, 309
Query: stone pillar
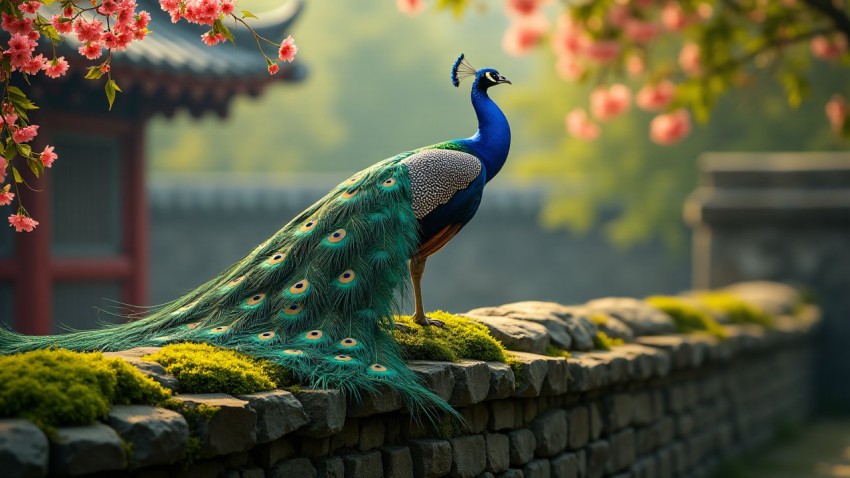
781, 217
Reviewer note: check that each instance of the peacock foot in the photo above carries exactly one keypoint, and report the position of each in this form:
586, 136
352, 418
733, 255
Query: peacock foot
426, 321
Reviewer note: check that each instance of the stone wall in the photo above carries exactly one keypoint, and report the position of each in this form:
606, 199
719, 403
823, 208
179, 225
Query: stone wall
659, 406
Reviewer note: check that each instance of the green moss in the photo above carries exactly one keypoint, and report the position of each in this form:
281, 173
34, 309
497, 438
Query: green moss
204, 368
687, 316
460, 339
553, 351
604, 342
734, 308
63, 388
516, 368
599, 319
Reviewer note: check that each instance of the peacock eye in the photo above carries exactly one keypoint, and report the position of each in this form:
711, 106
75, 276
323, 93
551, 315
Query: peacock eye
277, 258
255, 299
350, 194
294, 309
293, 352
236, 281
349, 342
388, 183
378, 367
266, 336
309, 225
299, 287
219, 329
336, 236
346, 277
343, 358
314, 335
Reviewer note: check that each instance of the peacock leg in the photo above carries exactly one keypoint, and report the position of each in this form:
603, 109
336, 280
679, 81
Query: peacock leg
417, 269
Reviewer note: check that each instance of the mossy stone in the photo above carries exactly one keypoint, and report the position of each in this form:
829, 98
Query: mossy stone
460, 339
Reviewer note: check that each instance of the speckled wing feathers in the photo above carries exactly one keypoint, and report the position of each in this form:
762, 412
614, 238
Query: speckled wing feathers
438, 174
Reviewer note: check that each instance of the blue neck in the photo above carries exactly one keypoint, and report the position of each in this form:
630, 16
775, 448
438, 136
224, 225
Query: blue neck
492, 141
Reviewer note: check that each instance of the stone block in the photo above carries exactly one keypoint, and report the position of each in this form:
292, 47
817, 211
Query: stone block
232, 428
325, 409
510, 473
152, 370
158, 436
203, 469
252, 472
557, 376
502, 415
619, 410
314, 447
521, 446
639, 316
519, 335
664, 461
537, 469
486, 474
476, 417
596, 422
469, 456
555, 317
398, 461
675, 346
598, 454
581, 458
532, 374
472, 382
646, 439
645, 468
278, 413
502, 381
498, 454
438, 376
331, 467
294, 468
269, 454
348, 437
578, 426
586, 373
550, 432
86, 450
371, 434
617, 366
363, 465
24, 449
431, 458
622, 450
641, 408
565, 465
385, 399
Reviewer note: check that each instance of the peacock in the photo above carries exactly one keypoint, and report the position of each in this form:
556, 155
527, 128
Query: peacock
319, 296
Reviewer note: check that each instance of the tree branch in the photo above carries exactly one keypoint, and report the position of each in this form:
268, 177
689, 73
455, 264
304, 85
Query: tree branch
838, 16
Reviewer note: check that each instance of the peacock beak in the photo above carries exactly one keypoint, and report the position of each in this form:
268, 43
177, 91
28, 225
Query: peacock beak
502, 79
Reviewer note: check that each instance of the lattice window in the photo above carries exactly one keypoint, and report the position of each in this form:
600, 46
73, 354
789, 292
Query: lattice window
87, 196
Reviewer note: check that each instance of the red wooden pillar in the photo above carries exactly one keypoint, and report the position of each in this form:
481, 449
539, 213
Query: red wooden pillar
32, 277
136, 217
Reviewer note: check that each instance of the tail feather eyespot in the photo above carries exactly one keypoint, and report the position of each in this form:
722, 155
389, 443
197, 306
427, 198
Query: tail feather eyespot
388, 183
309, 225
343, 358
348, 342
265, 336
185, 308
193, 325
236, 281
220, 329
346, 277
276, 258
349, 194
293, 352
255, 299
314, 335
337, 236
376, 367
353, 179
293, 309
300, 287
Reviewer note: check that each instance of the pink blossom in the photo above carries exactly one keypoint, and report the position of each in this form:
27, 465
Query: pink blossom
13, 25
655, 97
619, 14
836, 112
9, 119
524, 34
29, 7
410, 7
607, 103
705, 10
24, 135
34, 65
580, 126
635, 65
568, 38
670, 128
569, 68
228, 7
523, 8
88, 31
3, 166
61, 24
640, 31
48, 156
690, 59
287, 50
22, 223
603, 50
211, 38
273, 68
6, 197
108, 8
829, 48
92, 51
673, 17
56, 68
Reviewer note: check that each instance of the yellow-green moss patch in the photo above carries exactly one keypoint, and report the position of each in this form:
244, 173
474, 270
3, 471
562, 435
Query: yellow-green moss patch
687, 316
734, 308
460, 339
603, 341
62, 388
205, 368
553, 351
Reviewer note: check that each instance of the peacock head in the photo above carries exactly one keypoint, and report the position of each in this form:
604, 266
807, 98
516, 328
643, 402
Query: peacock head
484, 78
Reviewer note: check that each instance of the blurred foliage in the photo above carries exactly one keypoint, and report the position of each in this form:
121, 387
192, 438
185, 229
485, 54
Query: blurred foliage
688, 316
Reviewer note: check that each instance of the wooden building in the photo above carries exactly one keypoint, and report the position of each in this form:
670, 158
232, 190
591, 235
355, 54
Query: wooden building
92, 241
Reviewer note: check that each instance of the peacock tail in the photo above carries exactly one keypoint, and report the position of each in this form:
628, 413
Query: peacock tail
318, 297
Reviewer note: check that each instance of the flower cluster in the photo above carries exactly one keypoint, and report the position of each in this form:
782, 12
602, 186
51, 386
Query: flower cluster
101, 27
718, 45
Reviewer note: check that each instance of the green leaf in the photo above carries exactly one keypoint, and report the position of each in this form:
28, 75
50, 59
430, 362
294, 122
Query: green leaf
220, 27
17, 175
50, 32
48, 2
247, 14
111, 87
36, 166
10, 151
94, 73
25, 150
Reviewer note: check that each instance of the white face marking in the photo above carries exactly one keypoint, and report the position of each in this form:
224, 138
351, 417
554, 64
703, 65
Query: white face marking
490, 76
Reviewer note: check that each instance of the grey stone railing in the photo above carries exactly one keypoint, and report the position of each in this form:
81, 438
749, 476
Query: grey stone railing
659, 405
